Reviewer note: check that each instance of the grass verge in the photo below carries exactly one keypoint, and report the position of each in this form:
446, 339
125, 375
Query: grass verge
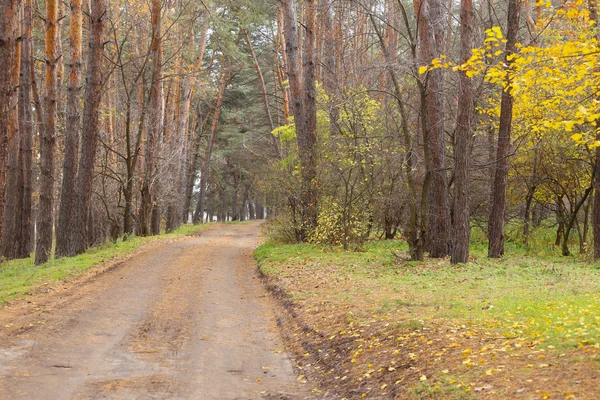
377, 326
20, 277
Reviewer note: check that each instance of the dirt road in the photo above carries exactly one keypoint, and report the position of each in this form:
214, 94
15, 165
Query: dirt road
182, 320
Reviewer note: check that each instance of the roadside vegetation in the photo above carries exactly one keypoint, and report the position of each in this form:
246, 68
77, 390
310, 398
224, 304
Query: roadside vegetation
372, 323
20, 277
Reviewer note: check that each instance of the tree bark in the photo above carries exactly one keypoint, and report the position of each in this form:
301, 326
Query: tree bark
431, 27
26, 132
497, 214
593, 7
462, 141
281, 69
303, 95
14, 185
9, 10
330, 65
48, 141
78, 240
67, 197
154, 123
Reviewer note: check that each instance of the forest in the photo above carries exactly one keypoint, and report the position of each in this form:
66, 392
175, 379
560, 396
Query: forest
342, 120
399, 150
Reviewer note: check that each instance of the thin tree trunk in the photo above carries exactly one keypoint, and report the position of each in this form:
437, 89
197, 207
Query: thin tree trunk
572, 218
583, 245
528, 5
205, 170
78, 240
36, 139
132, 154
527, 215
462, 141
282, 69
415, 234
531, 188
177, 161
497, 214
190, 172
48, 141
263, 89
26, 132
67, 198
329, 63
153, 132
193, 167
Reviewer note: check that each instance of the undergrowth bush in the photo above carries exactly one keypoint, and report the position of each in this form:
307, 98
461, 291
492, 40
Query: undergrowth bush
340, 226
281, 229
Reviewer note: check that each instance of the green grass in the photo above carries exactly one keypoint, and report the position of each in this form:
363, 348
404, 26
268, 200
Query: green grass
19, 277
532, 293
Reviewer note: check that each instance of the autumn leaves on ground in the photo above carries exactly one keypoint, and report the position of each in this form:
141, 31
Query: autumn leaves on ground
375, 325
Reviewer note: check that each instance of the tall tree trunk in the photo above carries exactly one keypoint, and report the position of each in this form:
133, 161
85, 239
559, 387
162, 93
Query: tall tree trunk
175, 158
78, 240
192, 171
132, 154
192, 161
329, 63
48, 141
307, 139
155, 119
9, 11
431, 27
251, 211
303, 94
14, 185
497, 214
593, 7
281, 69
67, 197
462, 141
205, 169
26, 132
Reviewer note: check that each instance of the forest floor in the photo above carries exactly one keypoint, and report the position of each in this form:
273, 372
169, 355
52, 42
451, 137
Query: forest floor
185, 318
373, 325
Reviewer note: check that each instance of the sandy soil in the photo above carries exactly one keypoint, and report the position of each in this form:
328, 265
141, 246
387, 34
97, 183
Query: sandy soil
188, 319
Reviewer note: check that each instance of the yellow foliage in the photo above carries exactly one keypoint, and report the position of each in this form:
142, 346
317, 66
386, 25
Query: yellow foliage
554, 81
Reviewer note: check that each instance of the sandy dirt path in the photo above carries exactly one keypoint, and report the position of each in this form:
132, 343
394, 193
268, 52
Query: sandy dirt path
182, 320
